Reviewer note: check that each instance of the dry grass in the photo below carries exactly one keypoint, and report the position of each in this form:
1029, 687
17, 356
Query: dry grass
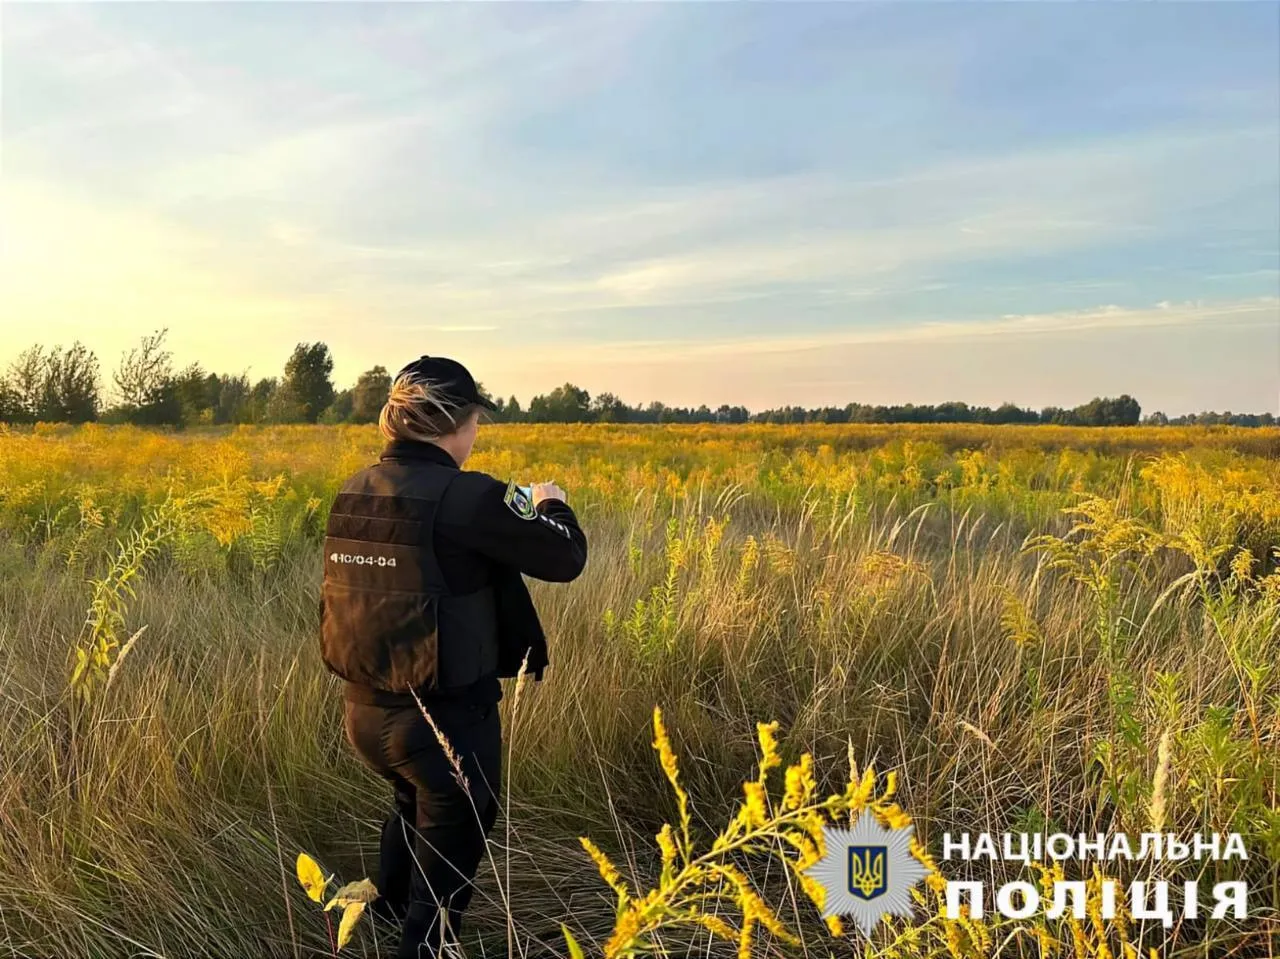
864, 585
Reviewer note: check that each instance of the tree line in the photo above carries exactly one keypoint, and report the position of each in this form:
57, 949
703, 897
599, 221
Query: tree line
66, 386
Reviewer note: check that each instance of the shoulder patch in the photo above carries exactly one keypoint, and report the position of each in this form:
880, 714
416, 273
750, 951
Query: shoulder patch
519, 501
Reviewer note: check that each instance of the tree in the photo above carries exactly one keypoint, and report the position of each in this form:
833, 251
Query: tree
10, 412
57, 386
607, 408
232, 405
1125, 410
260, 399
143, 371
1010, 413
1119, 411
197, 394
24, 385
339, 410
564, 404
951, 412
283, 407
369, 395
307, 385
71, 385
145, 383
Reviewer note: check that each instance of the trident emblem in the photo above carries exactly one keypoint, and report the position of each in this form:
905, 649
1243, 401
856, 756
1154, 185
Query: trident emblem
868, 876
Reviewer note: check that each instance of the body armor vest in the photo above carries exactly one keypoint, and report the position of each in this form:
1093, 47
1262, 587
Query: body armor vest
388, 620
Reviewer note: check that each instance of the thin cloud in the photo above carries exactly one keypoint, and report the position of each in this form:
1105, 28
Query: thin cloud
448, 329
1262, 312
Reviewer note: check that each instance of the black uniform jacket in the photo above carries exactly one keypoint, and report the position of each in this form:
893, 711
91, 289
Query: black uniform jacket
481, 540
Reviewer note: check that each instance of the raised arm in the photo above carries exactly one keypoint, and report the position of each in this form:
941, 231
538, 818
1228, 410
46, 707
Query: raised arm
500, 522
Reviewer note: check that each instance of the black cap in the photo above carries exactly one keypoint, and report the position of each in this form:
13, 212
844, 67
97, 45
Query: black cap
451, 377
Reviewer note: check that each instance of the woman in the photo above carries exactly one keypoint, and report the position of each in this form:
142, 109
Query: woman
423, 608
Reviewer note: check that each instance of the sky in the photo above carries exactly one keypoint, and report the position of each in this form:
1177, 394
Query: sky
756, 204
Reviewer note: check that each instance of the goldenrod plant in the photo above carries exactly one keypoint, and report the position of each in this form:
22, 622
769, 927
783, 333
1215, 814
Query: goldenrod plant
100, 651
707, 888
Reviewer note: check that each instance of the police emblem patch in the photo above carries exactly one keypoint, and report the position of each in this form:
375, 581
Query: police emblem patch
519, 501
868, 871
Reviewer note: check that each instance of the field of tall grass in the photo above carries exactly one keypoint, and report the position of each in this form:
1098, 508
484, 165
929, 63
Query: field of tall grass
1031, 628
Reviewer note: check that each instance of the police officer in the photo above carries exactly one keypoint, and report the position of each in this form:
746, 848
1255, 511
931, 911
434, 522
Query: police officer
423, 608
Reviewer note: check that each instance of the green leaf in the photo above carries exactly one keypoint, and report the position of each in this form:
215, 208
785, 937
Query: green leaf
575, 950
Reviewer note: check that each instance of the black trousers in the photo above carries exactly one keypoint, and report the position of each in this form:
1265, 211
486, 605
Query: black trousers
434, 839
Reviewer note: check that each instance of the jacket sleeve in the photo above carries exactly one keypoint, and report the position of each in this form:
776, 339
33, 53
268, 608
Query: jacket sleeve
481, 513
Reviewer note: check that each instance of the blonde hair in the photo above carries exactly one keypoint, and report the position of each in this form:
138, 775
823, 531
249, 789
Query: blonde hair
417, 409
